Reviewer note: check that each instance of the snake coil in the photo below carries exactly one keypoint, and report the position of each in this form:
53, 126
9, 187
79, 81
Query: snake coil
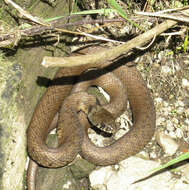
65, 94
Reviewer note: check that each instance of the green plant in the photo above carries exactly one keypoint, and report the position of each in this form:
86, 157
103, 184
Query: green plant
172, 162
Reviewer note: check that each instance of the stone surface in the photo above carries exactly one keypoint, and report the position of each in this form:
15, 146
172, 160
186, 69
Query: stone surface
19, 93
131, 170
169, 145
12, 135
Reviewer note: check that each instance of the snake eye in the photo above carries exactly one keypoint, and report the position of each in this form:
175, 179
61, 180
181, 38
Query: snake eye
106, 128
102, 126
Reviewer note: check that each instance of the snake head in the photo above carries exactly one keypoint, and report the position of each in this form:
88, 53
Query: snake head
102, 119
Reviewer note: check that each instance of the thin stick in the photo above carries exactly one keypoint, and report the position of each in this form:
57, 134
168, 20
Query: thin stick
178, 16
26, 14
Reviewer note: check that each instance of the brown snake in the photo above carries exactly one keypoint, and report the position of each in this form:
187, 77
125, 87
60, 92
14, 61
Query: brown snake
73, 124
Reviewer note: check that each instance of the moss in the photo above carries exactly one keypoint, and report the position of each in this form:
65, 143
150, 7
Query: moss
10, 76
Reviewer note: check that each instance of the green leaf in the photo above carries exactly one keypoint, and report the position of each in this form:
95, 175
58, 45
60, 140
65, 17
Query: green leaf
122, 13
97, 11
185, 43
170, 163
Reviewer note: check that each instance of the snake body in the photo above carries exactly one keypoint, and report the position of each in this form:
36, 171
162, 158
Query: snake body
73, 125
143, 113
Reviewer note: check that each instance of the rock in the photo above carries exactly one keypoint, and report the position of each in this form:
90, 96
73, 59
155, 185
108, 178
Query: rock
168, 144
128, 172
166, 70
185, 171
185, 83
81, 168
131, 170
12, 131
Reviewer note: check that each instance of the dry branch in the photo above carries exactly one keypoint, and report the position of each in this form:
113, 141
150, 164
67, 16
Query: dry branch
57, 25
179, 14
25, 14
14, 35
108, 55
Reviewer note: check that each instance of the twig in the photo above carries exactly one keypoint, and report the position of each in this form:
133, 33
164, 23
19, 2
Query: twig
146, 47
173, 10
182, 14
26, 14
56, 25
105, 56
102, 38
10, 38
181, 32
41, 22
173, 17
59, 23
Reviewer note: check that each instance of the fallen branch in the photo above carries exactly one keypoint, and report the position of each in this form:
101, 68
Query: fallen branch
26, 14
38, 30
105, 56
14, 36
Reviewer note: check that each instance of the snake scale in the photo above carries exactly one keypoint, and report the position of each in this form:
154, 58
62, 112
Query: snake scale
65, 94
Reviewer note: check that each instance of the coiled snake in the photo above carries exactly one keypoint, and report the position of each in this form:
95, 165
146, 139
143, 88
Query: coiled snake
68, 95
